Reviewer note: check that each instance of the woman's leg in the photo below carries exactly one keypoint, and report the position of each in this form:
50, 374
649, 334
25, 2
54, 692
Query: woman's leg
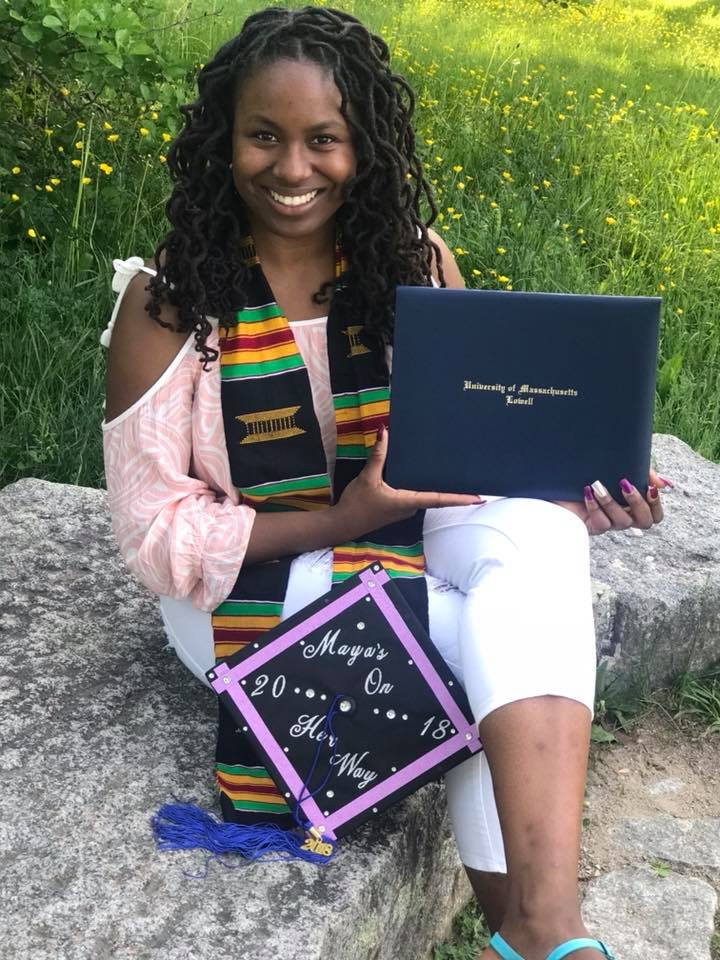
528, 664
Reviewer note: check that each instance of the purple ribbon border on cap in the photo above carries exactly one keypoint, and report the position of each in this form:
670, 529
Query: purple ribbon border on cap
228, 680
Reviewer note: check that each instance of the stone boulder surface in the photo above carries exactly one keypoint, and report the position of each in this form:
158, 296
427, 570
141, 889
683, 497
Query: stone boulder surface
100, 725
657, 592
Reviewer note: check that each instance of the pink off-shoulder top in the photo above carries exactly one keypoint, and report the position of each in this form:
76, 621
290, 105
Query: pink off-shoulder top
175, 511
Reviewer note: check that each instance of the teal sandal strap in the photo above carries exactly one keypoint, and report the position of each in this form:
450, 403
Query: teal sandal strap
570, 946
503, 949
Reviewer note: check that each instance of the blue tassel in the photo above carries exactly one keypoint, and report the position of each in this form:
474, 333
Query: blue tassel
183, 826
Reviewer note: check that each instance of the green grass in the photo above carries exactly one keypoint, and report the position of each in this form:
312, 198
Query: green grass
560, 118
696, 697
469, 936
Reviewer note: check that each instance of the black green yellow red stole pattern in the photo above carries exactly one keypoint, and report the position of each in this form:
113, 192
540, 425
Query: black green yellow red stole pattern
277, 463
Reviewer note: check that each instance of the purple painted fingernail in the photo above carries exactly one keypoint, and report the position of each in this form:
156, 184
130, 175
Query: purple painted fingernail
668, 483
653, 492
587, 490
626, 486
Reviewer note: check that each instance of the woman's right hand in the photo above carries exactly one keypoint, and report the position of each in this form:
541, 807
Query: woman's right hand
368, 503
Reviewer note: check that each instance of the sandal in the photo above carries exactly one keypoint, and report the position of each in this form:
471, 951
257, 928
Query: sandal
506, 952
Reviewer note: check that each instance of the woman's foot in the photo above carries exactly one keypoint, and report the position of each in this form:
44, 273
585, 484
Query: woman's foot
534, 941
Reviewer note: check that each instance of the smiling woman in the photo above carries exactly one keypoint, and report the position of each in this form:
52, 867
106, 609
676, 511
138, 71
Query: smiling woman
242, 490
281, 152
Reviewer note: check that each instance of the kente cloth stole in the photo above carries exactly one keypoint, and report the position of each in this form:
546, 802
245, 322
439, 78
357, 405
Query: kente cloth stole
278, 463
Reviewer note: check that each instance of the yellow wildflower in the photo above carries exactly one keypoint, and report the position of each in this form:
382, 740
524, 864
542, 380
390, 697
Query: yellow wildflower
61, 149
429, 142
460, 252
438, 159
112, 137
14, 196
79, 145
15, 170
561, 116
31, 233
54, 181
679, 311
48, 188
106, 125
500, 250
143, 131
546, 184
456, 216
682, 200
574, 169
506, 175
165, 137
610, 221
85, 181
162, 158
445, 227
451, 209
64, 92
457, 168
48, 132
580, 231
76, 162
79, 124
503, 279
665, 216
106, 168
507, 150
461, 186
153, 115
476, 272
493, 205
632, 202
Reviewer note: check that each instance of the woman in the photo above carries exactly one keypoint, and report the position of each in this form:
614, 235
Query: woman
296, 184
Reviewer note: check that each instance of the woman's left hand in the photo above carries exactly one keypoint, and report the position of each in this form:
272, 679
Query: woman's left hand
600, 513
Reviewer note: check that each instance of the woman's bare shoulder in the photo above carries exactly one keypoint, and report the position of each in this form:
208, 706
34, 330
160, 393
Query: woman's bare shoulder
141, 349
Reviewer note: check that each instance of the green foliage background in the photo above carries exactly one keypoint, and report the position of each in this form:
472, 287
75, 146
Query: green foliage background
573, 147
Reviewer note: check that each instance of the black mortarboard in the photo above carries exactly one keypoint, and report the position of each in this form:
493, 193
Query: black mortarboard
350, 706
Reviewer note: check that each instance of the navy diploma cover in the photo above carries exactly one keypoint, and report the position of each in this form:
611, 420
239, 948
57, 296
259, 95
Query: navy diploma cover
521, 394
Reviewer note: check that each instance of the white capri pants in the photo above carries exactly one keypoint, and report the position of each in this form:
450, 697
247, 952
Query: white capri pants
510, 610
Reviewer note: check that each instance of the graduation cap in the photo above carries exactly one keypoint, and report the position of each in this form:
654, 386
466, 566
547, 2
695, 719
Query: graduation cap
351, 707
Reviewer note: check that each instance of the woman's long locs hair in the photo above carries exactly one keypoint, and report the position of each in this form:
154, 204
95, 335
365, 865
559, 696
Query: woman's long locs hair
385, 241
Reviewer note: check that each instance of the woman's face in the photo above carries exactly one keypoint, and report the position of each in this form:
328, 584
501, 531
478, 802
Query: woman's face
292, 149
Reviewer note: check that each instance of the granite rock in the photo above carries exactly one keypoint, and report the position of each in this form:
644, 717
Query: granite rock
100, 725
657, 592
689, 843
641, 916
